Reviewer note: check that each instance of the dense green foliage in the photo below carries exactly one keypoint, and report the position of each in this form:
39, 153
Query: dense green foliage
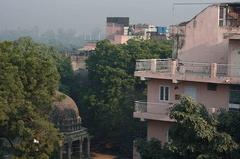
195, 134
106, 95
65, 70
150, 149
198, 134
28, 81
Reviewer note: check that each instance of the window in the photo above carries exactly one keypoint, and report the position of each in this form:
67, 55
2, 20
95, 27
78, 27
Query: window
191, 91
164, 93
212, 86
168, 139
222, 16
234, 94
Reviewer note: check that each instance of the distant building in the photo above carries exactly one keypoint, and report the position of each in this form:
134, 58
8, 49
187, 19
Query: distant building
89, 46
161, 34
205, 67
146, 32
79, 57
117, 29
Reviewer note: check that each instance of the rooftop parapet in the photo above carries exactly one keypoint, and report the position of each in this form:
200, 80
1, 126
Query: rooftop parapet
188, 71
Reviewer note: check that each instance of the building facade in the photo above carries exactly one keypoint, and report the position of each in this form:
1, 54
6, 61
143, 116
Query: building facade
117, 29
206, 67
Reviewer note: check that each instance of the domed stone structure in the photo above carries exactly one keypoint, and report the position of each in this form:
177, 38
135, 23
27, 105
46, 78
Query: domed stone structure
66, 117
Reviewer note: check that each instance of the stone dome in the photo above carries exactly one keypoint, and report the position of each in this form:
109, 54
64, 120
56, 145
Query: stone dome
65, 111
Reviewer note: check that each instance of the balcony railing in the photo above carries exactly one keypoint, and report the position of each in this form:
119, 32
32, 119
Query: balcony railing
224, 70
159, 65
162, 108
233, 22
201, 69
186, 69
143, 65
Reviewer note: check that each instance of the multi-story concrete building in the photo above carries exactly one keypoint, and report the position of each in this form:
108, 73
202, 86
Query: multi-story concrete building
206, 67
117, 29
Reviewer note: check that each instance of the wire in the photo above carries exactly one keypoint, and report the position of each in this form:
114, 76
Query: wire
191, 3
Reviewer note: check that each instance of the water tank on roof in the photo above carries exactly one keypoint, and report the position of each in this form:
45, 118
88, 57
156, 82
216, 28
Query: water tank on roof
162, 30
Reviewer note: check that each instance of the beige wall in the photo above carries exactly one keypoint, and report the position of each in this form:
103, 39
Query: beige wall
120, 39
158, 130
78, 62
204, 40
234, 57
211, 99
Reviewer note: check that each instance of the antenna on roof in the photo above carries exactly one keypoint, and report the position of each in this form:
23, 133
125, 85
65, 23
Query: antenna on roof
186, 3
191, 3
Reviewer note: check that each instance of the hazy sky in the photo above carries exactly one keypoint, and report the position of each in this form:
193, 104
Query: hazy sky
88, 15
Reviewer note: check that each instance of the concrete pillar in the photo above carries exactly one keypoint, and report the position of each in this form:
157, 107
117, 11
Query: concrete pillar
80, 149
174, 67
153, 65
88, 147
69, 150
213, 70
60, 153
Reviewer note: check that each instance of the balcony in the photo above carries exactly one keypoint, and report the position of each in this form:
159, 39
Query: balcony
159, 111
188, 71
152, 111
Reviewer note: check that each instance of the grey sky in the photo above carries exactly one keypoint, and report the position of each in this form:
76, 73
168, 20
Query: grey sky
89, 15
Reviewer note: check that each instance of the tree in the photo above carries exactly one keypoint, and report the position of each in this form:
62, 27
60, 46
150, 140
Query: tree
65, 70
107, 103
195, 133
229, 122
28, 81
151, 149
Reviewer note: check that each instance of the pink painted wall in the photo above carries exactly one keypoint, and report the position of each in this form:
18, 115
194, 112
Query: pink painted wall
234, 50
113, 29
158, 130
211, 99
205, 41
89, 46
120, 39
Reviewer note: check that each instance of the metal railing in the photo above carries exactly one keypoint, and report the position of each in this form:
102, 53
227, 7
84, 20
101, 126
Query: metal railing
227, 70
163, 65
162, 108
205, 70
140, 106
143, 65
200, 69
233, 22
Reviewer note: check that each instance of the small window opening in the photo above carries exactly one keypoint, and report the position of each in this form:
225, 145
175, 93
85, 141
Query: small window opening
212, 86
